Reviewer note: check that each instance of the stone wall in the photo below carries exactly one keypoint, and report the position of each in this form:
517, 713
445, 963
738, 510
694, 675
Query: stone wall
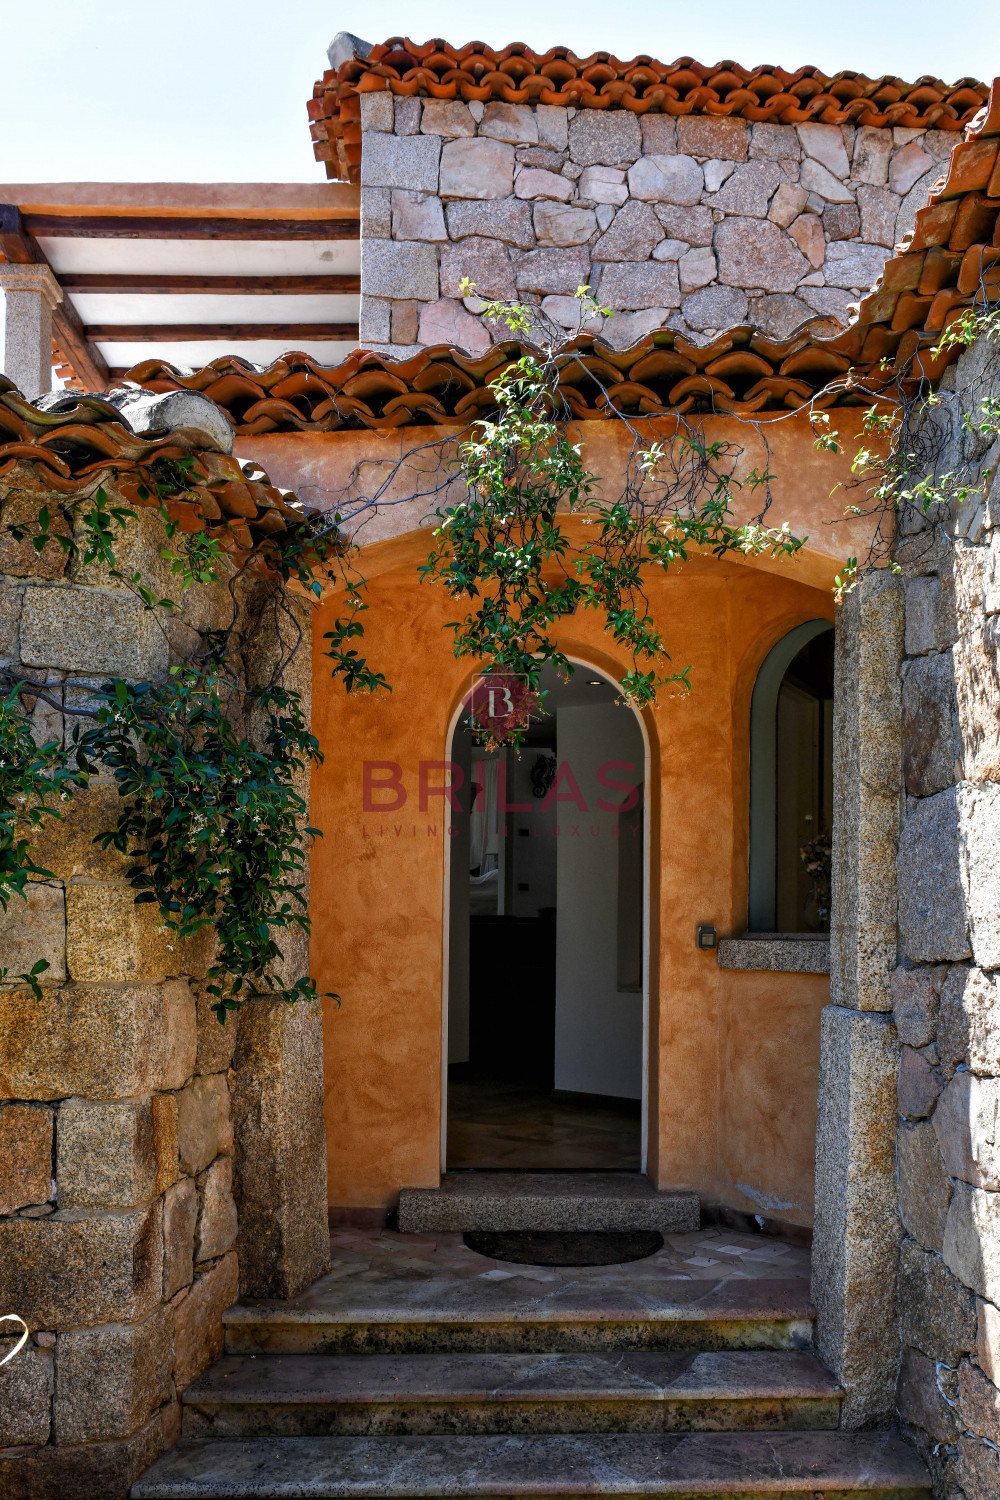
119, 1088
697, 224
907, 1249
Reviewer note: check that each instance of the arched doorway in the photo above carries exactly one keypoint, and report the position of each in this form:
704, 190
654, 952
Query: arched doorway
546, 974
791, 783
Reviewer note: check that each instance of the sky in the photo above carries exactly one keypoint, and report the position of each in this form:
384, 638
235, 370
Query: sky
215, 90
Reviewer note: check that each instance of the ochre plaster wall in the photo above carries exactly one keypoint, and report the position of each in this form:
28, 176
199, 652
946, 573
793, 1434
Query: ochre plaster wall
734, 1056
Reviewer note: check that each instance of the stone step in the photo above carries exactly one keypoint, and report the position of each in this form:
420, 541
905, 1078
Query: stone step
792, 1465
539, 1201
519, 1315
379, 1394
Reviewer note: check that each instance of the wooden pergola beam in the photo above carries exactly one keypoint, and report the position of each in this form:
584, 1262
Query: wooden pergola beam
170, 227
146, 333
20, 248
109, 282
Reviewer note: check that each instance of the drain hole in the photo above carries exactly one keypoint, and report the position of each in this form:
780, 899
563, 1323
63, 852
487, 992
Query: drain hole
554, 1248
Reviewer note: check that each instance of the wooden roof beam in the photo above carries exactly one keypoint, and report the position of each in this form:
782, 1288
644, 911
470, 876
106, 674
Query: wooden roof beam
175, 333
175, 227
111, 282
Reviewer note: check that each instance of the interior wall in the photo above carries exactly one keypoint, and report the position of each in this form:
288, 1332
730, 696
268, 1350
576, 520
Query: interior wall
598, 1028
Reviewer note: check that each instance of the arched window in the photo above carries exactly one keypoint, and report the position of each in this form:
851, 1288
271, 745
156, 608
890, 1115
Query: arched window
791, 783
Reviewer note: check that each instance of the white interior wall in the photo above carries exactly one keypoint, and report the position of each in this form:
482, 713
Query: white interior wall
598, 1028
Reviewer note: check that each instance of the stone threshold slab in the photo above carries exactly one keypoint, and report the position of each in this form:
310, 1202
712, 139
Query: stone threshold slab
794, 1465
529, 1202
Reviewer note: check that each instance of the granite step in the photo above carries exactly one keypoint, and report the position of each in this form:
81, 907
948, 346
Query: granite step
421, 1394
792, 1465
517, 1314
539, 1201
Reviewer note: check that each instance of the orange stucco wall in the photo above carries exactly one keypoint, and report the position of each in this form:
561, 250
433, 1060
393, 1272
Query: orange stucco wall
733, 1055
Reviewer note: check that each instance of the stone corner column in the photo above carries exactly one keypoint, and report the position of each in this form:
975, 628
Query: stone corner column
32, 292
858, 1230
280, 1148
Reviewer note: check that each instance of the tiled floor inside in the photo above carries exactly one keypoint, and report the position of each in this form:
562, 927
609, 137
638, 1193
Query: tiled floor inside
513, 1125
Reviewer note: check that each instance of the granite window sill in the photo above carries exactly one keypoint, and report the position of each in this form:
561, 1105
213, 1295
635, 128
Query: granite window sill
776, 952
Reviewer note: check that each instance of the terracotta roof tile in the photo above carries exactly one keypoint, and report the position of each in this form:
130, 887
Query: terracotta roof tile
517, 75
74, 449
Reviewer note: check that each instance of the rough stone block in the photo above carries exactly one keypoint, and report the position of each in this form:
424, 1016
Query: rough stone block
406, 321
936, 1312
198, 1334
915, 998
401, 162
109, 1380
715, 307
632, 235
825, 143
280, 1176
376, 213
80, 1471
164, 1112
105, 1156
988, 1340
447, 117
872, 148
215, 1041
919, 1085
972, 1240
375, 320
978, 1469
49, 1267
25, 1156
930, 725
508, 219
217, 1214
180, 1217
755, 253
556, 224
204, 1129
969, 1024
907, 166
93, 1041
417, 216
815, 178
447, 322
807, 232
669, 250
533, 183
857, 1234
66, 845
978, 1403
924, 1189
477, 169
879, 208
552, 270
979, 812
932, 911
376, 111
626, 329
26, 1384
919, 1399
633, 285
852, 265
696, 269
779, 315
841, 220
775, 142
408, 112
103, 632
977, 689
659, 135
553, 126
484, 261
602, 185
399, 269
965, 1122
19, 558
712, 135
111, 940
180, 1034
666, 179
694, 225
749, 190
925, 626
515, 123
609, 138
34, 928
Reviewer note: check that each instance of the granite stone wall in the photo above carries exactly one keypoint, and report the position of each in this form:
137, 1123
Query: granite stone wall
697, 224
119, 1088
